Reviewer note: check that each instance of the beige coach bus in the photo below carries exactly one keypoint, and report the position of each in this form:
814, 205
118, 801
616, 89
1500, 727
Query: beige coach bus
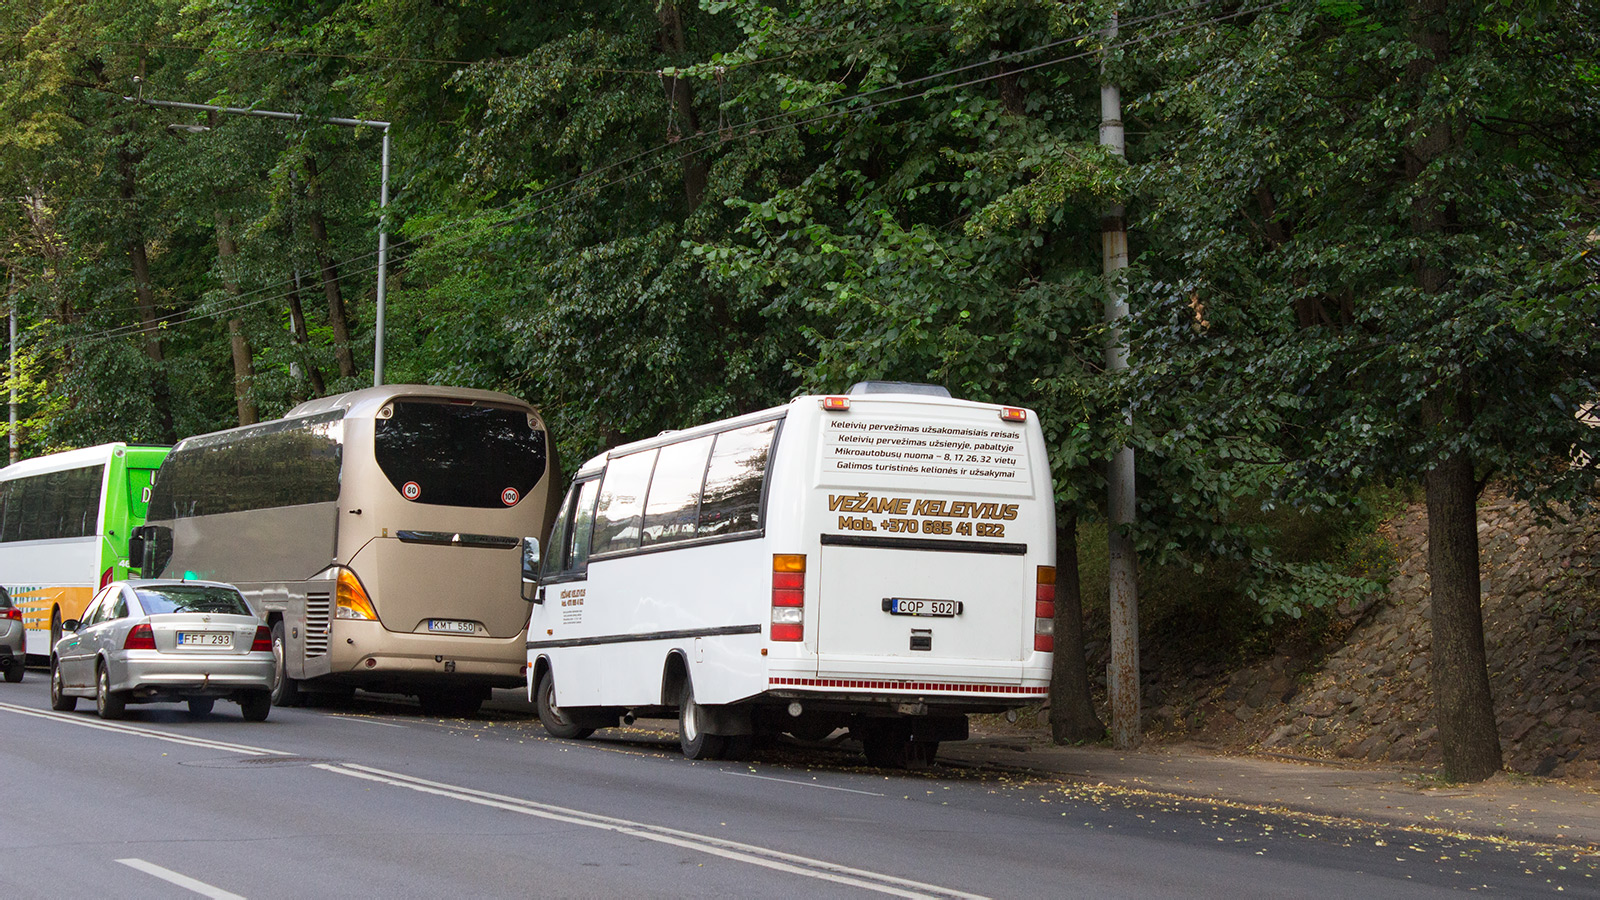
380, 533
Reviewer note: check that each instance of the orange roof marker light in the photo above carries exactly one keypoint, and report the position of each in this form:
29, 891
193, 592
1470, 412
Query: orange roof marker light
1013, 414
836, 404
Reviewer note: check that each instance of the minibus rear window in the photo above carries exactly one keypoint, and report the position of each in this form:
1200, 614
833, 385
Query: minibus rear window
455, 455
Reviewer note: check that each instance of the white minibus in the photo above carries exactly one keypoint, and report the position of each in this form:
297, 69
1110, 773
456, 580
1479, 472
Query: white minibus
880, 561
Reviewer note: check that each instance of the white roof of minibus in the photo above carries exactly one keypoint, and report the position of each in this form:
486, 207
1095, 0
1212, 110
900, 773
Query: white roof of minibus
366, 402
666, 437
57, 462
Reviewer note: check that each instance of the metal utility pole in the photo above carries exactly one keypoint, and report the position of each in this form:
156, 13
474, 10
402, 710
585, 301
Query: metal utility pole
383, 196
1123, 677
11, 305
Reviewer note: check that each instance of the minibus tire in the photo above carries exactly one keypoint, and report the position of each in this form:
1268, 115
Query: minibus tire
555, 722
696, 742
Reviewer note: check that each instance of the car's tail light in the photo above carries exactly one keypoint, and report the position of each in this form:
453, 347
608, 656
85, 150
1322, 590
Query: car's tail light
1044, 610
140, 638
11, 612
263, 640
353, 602
788, 596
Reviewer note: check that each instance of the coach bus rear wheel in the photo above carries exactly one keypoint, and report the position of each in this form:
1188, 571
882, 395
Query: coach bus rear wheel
285, 690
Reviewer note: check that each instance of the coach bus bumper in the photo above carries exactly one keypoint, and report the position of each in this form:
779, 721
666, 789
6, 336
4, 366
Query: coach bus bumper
367, 653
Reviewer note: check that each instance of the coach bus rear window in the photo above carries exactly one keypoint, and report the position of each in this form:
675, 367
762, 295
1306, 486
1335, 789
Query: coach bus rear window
455, 455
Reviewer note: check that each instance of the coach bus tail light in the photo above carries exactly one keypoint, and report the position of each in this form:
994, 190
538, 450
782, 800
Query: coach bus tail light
353, 602
788, 596
1044, 610
105, 578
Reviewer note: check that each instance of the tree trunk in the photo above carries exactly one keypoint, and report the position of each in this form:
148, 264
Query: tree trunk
1072, 718
1463, 703
694, 167
337, 318
243, 367
302, 339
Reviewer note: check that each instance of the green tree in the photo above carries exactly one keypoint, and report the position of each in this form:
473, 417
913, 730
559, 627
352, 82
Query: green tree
1375, 224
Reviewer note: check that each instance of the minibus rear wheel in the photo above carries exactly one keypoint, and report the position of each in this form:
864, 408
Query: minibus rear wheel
696, 742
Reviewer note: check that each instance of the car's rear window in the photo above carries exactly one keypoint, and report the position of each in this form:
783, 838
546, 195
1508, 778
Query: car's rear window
178, 598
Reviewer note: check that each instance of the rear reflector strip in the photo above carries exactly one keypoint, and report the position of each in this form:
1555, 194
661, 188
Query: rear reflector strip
934, 686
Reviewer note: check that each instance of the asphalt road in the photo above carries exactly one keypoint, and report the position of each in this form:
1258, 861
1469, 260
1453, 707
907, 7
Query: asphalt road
371, 799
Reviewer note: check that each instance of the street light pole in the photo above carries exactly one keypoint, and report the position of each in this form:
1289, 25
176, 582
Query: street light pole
383, 195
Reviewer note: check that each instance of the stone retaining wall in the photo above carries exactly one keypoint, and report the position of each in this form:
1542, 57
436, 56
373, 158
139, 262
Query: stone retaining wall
1371, 698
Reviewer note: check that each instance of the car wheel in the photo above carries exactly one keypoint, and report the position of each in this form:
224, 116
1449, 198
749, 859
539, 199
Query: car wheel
285, 690
555, 721
59, 700
15, 670
55, 626
109, 704
201, 706
692, 736
256, 705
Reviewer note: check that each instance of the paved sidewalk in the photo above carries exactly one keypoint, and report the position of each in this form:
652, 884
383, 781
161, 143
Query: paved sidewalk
1506, 806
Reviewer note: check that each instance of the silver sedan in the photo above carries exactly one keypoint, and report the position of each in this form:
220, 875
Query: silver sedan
164, 642
12, 638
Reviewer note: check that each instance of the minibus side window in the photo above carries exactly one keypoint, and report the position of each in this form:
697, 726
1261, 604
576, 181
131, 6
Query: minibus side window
672, 511
557, 550
731, 501
577, 551
621, 510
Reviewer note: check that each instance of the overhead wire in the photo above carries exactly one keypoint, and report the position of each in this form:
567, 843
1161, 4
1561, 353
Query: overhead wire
707, 140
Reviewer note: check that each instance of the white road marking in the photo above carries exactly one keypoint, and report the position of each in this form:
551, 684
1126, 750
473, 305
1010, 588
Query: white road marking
810, 784
747, 853
181, 880
89, 722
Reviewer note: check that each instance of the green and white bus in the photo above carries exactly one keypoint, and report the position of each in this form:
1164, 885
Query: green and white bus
65, 520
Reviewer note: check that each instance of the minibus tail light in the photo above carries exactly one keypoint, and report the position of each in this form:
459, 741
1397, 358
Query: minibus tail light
263, 640
836, 404
140, 638
353, 602
788, 596
1044, 610
1013, 414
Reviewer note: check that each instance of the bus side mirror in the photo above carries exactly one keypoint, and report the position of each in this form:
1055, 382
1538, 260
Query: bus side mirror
530, 570
136, 549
